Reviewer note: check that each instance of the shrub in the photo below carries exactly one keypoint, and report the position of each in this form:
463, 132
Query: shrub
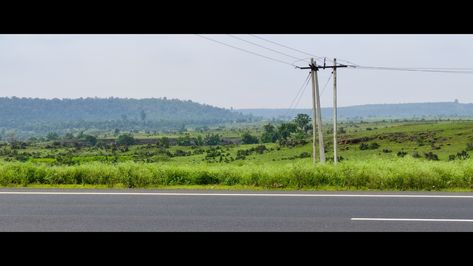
126, 140
463, 155
212, 139
90, 140
374, 146
305, 155
401, 154
247, 138
431, 156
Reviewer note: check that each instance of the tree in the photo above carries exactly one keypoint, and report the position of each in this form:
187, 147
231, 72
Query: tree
212, 139
184, 140
81, 135
285, 129
199, 141
163, 142
68, 136
52, 136
303, 122
247, 138
91, 140
126, 140
269, 134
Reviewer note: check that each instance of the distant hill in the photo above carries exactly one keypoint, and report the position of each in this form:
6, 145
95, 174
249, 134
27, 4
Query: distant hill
377, 111
33, 116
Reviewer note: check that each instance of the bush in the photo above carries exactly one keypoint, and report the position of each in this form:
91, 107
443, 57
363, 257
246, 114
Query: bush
126, 140
374, 146
212, 139
364, 146
247, 138
163, 143
305, 155
90, 140
401, 154
431, 156
52, 136
463, 155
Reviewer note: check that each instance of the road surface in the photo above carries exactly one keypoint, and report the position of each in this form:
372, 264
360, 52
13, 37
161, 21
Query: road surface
58, 210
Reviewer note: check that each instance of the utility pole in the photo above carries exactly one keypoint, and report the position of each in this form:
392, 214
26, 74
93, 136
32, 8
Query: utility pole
314, 146
335, 111
319, 114
316, 110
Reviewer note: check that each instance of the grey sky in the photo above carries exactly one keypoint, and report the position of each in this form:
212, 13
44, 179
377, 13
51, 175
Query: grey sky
190, 67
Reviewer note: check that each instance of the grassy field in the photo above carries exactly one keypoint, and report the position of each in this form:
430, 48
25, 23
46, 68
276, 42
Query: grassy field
409, 155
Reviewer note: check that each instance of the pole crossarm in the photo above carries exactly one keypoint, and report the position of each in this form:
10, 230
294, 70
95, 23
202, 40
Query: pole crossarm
316, 68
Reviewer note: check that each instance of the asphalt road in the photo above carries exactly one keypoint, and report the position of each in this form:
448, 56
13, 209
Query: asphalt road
242, 211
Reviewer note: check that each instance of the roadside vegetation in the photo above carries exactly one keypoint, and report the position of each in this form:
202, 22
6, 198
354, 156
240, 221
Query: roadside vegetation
382, 155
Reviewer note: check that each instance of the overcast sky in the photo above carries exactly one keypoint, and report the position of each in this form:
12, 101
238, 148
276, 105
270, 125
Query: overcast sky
192, 68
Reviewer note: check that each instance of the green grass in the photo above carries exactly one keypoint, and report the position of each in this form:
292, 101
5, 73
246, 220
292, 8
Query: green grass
398, 174
276, 168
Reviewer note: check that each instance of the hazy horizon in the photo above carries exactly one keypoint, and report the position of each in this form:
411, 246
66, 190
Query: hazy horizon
188, 67
203, 103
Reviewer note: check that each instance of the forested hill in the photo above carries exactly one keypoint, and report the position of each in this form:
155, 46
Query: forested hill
378, 111
99, 109
41, 115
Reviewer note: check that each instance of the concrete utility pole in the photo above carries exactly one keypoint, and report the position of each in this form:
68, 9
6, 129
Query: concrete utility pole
314, 115
334, 112
317, 114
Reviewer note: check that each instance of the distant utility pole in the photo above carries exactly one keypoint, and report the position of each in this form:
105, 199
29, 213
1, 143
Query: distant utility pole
316, 110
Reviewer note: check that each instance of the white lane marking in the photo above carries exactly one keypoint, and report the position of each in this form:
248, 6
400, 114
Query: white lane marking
411, 220
232, 194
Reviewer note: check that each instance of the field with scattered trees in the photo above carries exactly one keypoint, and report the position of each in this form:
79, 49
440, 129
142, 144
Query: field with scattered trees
386, 155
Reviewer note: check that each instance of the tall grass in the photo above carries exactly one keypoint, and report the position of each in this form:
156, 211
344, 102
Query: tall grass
398, 174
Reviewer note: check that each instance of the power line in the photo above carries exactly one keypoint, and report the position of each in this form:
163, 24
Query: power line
434, 70
285, 46
325, 86
354, 65
303, 52
247, 51
264, 47
441, 68
298, 95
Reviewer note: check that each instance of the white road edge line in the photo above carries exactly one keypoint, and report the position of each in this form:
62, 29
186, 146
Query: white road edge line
231, 194
411, 220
